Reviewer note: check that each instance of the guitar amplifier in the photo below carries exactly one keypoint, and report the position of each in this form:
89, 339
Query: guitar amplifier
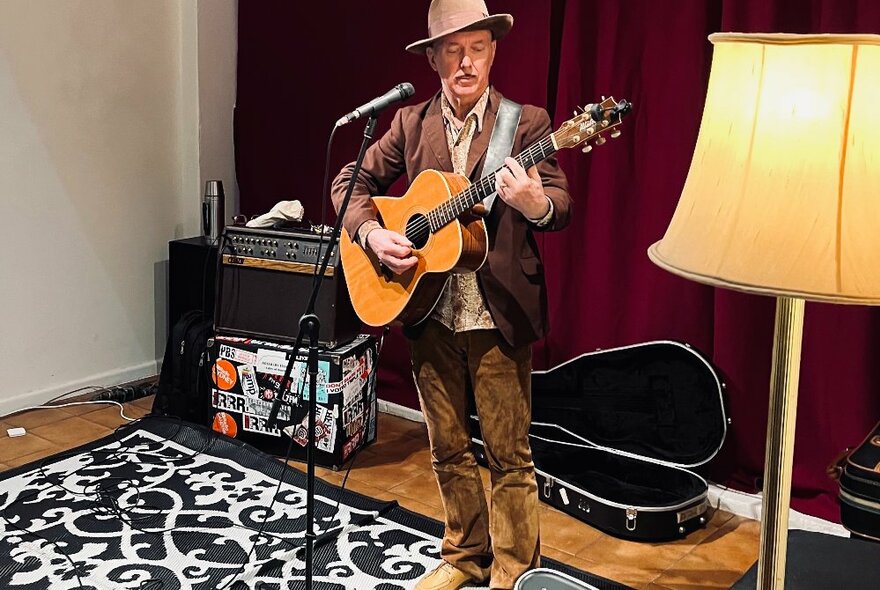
264, 281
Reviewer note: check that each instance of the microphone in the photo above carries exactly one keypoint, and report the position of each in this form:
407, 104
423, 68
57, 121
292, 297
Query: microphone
398, 93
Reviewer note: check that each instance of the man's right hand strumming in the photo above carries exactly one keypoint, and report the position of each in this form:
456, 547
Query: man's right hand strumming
392, 249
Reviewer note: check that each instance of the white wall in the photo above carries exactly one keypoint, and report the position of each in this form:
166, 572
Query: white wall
217, 52
100, 151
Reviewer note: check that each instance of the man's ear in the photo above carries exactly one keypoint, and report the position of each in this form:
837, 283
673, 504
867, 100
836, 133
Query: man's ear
429, 51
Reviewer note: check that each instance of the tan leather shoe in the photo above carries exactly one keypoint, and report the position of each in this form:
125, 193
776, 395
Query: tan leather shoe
445, 577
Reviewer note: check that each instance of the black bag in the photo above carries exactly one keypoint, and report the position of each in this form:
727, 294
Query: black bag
616, 434
860, 488
184, 388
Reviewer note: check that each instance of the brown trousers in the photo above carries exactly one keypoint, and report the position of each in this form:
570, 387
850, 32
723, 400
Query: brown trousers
502, 543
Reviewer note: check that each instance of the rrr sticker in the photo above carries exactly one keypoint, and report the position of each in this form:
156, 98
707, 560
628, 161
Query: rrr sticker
224, 374
225, 424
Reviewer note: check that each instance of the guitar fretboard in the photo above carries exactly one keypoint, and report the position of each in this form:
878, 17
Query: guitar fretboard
461, 202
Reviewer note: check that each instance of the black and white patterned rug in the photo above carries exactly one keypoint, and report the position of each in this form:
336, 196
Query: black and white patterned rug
165, 505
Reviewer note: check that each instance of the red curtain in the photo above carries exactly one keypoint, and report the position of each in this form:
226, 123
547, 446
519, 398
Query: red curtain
298, 73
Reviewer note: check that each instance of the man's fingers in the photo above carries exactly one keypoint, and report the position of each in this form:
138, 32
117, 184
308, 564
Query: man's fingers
401, 265
401, 240
515, 169
503, 178
395, 251
533, 173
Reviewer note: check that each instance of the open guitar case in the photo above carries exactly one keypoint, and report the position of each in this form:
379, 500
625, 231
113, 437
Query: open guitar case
617, 436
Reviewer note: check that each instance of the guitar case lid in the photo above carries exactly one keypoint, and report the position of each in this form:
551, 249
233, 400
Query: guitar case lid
660, 400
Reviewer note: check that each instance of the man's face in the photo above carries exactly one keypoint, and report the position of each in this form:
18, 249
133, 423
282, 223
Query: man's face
463, 61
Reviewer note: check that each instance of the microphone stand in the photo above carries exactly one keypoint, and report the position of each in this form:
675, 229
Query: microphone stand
310, 324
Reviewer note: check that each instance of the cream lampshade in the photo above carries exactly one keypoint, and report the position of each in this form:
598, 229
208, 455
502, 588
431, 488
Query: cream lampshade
783, 199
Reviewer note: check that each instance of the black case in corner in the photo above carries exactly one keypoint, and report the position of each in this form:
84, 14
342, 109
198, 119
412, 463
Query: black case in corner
860, 488
617, 433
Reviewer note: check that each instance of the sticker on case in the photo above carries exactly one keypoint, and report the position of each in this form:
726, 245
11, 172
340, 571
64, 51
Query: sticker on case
223, 374
225, 424
237, 354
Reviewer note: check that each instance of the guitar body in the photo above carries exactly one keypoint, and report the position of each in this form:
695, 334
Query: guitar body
458, 243
381, 297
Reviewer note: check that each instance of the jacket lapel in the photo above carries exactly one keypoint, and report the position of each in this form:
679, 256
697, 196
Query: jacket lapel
480, 143
435, 134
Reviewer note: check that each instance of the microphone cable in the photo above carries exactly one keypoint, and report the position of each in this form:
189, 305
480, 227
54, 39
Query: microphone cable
325, 192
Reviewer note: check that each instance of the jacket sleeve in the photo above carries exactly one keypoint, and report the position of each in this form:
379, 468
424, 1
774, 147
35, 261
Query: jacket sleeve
383, 164
535, 125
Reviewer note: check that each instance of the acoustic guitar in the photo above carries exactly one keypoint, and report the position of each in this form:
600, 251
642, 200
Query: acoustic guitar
435, 215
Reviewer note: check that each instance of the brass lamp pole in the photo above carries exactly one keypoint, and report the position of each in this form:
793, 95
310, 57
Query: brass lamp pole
782, 199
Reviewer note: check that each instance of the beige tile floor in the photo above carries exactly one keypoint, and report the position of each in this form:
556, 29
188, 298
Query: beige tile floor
397, 467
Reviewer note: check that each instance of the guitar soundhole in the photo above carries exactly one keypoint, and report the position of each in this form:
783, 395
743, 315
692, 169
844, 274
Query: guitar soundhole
418, 230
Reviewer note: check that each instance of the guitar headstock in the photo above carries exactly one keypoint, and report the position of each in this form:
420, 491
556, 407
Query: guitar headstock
588, 126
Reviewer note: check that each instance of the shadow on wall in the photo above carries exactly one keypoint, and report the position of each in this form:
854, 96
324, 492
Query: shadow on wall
160, 299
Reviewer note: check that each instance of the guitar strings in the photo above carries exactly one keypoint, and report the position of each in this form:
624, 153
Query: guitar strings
458, 203
446, 212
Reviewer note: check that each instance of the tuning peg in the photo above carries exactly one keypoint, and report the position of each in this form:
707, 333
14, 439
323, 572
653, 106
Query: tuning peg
587, 148
615, 133
600, 140
576, 113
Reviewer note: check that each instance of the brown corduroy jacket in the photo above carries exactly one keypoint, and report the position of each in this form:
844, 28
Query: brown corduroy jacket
512, 280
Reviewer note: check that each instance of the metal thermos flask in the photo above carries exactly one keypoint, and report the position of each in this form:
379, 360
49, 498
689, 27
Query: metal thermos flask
213, 209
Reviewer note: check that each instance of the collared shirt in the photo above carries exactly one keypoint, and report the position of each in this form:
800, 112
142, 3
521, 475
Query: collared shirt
462, 306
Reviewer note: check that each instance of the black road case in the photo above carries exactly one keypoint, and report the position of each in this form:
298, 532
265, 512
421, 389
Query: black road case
616, 435
860, 488
247, 372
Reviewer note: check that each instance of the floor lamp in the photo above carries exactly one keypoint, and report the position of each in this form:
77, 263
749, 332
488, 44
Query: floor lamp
783, 199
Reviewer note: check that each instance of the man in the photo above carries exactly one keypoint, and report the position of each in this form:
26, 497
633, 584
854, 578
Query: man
478, 337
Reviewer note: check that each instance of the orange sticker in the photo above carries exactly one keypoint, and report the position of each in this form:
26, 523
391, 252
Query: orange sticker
224, 374
225, 424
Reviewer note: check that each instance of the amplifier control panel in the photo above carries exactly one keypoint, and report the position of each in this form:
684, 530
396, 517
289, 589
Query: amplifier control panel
300, 245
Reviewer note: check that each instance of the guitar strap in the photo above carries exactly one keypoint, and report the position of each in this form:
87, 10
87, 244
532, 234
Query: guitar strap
501, 141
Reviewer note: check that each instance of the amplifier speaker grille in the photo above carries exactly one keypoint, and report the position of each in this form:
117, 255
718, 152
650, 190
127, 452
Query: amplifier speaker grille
258, 298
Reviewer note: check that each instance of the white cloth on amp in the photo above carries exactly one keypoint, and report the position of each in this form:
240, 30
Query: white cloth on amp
282, 211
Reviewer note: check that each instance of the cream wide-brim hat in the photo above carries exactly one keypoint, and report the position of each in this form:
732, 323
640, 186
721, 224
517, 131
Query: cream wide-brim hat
452, 16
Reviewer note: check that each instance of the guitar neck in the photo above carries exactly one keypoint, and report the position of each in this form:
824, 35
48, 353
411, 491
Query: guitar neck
461, 202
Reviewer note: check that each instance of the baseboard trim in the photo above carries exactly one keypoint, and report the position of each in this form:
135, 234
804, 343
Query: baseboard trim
400, 411
727, 499
749, 506
106, 379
